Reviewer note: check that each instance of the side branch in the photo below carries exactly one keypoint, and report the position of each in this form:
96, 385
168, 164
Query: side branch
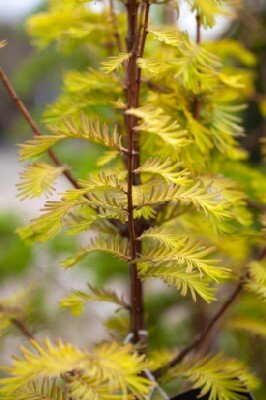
22, 328
24, 111
199, 339
145, 28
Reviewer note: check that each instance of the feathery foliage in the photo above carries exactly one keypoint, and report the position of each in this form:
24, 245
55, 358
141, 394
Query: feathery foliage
111, 363
75, 300
171, 194
44, 389
38, 178
217, 376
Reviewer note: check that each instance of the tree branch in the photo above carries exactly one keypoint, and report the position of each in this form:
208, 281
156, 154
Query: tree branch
256, 205
200, 339
22, 327
24, 111
144, 33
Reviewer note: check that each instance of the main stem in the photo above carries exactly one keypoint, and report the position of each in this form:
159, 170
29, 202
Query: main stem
135, 45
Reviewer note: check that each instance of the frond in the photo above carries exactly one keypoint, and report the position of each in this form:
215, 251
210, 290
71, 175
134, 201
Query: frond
92, 81
103, 179
118, 365
208, 10
164, 235
75, 301
114, 245
38, 178
160, 357
232, 81
256, 281
87, 130
114, 63
112, 203
224, 123
155, 122
231, 193
221, 379
85, 223
150, 65
145, 212
246, 324
181, 279
201, 197
118, 324
84, 91
107, 157
187, 253
82, 387
167, 169
44, 389
48, 361
48, 225
111, 363
232, 48
33, 148
91, 131
200, 133
170, 37
195, 66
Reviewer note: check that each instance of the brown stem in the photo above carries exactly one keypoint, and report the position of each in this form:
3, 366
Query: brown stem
256, 205
132, 9
22, 327
198, 35
135, 41
24, 111
144, 34
199, 340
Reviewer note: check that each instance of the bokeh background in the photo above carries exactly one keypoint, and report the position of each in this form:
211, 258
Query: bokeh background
37, 77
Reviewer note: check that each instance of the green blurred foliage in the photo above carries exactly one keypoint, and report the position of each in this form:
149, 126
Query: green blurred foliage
15, 255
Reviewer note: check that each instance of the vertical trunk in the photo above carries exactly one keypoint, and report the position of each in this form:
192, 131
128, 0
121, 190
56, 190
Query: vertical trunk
135, 41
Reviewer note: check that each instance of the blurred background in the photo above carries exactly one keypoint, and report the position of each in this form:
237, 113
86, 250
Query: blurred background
37, 78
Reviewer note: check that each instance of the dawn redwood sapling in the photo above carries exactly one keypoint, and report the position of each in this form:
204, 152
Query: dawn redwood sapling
172, 197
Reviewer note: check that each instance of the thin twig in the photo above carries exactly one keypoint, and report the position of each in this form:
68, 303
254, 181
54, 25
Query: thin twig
199, 339
144, 33
22, 327
24, 111
256, 205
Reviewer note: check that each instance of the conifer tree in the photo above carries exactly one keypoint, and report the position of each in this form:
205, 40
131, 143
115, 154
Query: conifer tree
172, 196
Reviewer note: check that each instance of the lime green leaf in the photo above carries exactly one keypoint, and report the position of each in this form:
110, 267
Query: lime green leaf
75, 301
